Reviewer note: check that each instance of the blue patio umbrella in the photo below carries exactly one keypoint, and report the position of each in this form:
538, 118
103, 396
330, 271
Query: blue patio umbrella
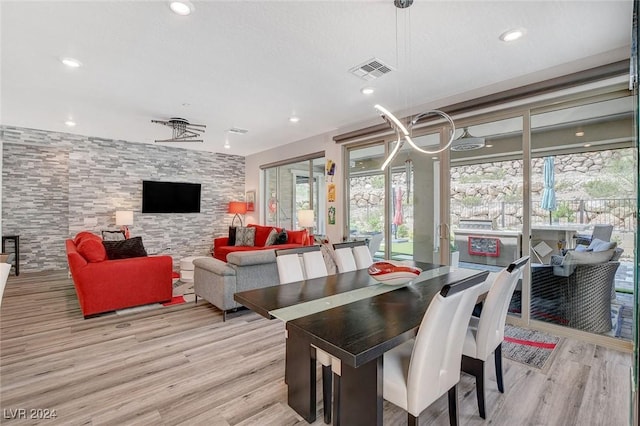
548, 201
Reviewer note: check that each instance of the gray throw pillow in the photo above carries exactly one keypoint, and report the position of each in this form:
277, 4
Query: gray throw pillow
245, 236
113, 235
271, 239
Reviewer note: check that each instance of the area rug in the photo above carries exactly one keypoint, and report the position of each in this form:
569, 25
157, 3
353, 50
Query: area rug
529, 347
182, 293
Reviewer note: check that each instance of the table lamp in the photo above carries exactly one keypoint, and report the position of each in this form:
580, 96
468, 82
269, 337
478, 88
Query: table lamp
124, 218
306, 220
237, 207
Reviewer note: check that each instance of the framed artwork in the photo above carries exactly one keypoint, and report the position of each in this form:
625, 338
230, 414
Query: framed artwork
250, 198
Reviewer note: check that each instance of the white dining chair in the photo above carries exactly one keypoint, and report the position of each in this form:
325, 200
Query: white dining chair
314, 265
4, 276
344, 257
419, 371
296, 265
362, 257
290, 267
485, 334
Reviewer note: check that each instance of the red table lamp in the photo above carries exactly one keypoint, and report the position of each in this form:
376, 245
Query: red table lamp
237, 207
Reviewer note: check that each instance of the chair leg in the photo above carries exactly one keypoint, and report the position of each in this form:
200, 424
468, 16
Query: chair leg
475, 367
326, 392
453, 405
498, 359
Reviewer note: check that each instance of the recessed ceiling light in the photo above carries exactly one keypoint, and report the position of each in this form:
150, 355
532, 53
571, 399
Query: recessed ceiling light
435, 157
227, 145
587, 145
294, 119
512, 35
70, 123
182, 8
580, 134
367, 90
71, 62
488, 145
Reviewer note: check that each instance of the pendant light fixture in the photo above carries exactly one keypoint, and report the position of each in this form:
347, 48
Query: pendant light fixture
404, 134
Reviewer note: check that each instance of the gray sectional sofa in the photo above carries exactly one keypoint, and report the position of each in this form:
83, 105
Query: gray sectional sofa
217, 281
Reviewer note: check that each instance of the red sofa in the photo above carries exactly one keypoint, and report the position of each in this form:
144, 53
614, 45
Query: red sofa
294, 239
106, 285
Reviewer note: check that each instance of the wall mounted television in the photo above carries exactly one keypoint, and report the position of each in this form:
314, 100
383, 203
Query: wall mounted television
170, 197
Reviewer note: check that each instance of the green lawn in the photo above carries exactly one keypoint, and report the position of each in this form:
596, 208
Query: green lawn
400, 248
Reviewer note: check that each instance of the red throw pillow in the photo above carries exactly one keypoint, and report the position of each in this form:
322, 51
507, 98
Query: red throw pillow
262, 233
298, 237
85, 235
92, 250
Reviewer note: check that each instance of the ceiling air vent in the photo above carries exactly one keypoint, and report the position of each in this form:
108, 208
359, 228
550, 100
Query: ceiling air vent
371, 69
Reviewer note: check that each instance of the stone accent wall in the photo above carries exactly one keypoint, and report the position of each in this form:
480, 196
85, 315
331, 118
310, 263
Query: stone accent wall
57, 184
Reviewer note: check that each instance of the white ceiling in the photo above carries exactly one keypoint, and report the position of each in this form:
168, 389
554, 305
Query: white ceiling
253, 64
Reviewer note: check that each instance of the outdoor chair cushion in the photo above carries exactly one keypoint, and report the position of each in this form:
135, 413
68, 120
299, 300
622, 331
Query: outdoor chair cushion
573, 258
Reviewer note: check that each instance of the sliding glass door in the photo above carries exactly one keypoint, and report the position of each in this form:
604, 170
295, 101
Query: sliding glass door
295, 186
583, 175
486, 197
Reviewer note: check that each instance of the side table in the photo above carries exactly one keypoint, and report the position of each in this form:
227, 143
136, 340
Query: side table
16, 249
187, 268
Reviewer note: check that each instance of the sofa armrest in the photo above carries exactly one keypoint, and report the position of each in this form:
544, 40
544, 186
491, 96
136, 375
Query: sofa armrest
221, 241
253, 257
214, 265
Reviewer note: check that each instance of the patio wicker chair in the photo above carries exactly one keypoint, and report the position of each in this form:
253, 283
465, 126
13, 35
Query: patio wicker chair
601, 232
581, 300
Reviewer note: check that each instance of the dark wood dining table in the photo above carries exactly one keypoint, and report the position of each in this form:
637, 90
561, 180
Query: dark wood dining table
356, 320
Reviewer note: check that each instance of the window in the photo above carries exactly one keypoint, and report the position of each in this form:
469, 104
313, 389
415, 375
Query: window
293, 186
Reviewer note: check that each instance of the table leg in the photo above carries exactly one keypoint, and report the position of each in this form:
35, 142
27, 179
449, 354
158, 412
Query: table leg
360, 401
300, 372
17, 248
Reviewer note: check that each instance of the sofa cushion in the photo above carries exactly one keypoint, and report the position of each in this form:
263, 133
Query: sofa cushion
222, 252
298, 237
271, 239
245, 237
282, 237
113, 235
85, 234
599, 245
262, 234
125, 249
232, 236
587, 258
574, 258
92, 250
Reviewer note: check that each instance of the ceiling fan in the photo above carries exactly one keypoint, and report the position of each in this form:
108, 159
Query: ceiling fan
183, 131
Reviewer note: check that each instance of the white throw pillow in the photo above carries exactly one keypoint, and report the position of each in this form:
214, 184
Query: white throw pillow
574, 258
600, 245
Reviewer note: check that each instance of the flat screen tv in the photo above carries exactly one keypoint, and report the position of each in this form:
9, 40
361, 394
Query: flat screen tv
170, 197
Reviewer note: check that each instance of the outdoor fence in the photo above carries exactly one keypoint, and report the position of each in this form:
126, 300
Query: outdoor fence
620, 213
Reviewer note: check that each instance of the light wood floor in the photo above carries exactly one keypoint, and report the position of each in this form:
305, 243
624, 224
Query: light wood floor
183, 365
